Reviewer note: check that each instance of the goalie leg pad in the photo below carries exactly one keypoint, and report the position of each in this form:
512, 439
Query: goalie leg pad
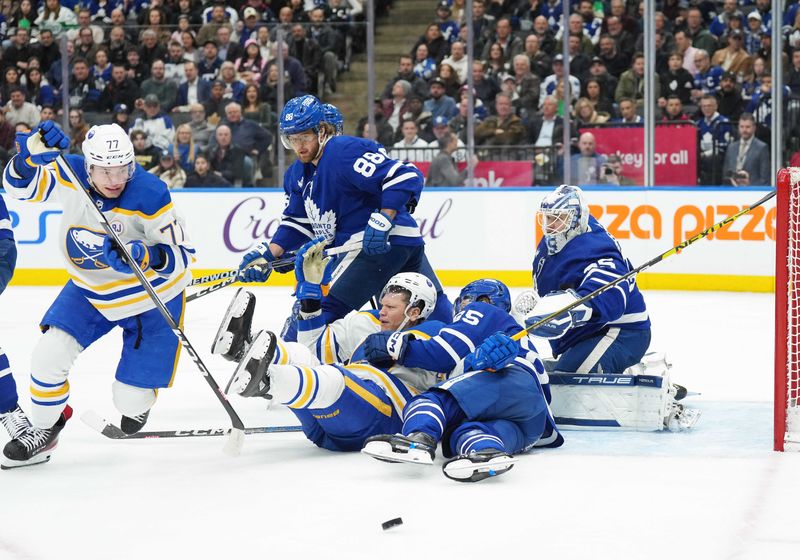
52, 359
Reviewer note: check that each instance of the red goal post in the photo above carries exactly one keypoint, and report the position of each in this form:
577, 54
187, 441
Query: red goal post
787, 312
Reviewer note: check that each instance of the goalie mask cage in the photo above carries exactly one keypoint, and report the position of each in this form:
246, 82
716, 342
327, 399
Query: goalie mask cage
787, 312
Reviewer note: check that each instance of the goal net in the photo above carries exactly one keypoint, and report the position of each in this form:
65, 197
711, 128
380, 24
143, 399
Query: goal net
787, 312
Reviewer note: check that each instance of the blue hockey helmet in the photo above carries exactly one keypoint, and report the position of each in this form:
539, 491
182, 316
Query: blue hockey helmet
334, 117
491, 290
563, 215
299, 115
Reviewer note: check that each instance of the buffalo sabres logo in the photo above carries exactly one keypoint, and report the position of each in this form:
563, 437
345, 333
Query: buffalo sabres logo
85, 248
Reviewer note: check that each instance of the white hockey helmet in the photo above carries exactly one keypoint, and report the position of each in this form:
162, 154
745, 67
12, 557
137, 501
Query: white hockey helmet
563, 215
107, 145
421, 292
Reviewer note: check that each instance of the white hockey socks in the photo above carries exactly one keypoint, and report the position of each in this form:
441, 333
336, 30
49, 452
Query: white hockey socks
132, 401
52, 359
306, 387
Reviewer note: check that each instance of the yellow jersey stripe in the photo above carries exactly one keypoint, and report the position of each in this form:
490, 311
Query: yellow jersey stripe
371, 316
63, 390
60, 179
282, 357
160, 289
149, 274
329, 357
126, 212
418, 334
398, 399
180, 346
381, 406
308, 378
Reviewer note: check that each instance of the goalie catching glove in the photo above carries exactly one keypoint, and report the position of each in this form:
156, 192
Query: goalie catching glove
313, 270
561, 323
384, 349
495, 353
41, 146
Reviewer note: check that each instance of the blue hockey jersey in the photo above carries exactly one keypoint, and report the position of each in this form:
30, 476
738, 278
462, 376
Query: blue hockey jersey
586, 263
353, 178
5, 221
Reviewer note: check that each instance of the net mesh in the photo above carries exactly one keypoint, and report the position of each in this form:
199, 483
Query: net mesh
793, 312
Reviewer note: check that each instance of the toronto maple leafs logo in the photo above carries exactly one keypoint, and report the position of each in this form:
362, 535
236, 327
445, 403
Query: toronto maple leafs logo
323, 224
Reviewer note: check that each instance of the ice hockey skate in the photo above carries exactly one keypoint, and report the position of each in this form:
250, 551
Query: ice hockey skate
478, 465
251, 378
234, 335
417, 447
132, 424
35, 445
15, 422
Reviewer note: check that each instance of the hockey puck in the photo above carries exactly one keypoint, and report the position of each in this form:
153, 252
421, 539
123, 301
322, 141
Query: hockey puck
392, 523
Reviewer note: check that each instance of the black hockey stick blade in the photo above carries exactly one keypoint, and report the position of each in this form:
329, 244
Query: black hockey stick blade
111, 431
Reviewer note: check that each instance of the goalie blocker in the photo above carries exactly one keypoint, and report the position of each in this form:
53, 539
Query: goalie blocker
642, 398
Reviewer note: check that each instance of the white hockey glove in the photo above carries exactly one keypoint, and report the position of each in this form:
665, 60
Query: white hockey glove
561, 323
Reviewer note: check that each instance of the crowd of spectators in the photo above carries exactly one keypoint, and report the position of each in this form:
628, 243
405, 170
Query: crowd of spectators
712, 69
194, 82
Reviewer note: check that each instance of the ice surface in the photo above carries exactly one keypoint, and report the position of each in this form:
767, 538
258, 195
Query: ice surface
716, 492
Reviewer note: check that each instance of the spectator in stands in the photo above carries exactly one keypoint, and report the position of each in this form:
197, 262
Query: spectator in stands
579, 62
397, 106
752, 83
541, 28
502, 129
169, 171
540, 62
793, 75
24, 16
384, 134
190, 46
701, 38
118, 46
82, 91
55, 16
193, 91
251, 25
166, 91
714, 133
551, 82
486, 88
730, 11
20, 50
269, 88
285, 20
121, 115
247, 133
612, 172
411, 147
119, 19
673, 110
747, 159
458, 124
599, 73
510, 44
329, 41
203, 176
101, 70
264, 43
184, 147
792, 34
526, 85
219, 18
631, 82
405, 71
424, 65
677, 80
136, 71
154, 122
151, 49
585, 114
439, 104
19, 111
458, 60
121, 89
443, 171
47, 50
234, 87
215, 104
760, 106
625, 42
627, 112
437, 46
496, 63
39, 93
144, 153
447, 26
10, 81
85, 47
251, 64
189, 9
586, 165
182, 25
209, 65
307, 51
483, 25
255, 109
228, 159
706, 81
729, 97
294, 68
452, 87
755, 33
615, 61
683, 44
546, 128
733, 58
78, 128
227, 50
173, 64
617, 9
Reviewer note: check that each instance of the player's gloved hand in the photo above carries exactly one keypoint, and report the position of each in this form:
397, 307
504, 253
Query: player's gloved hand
561, 323
495, 353
376, 234
253, 269
313, 270
42, 145
146, 257
384, 349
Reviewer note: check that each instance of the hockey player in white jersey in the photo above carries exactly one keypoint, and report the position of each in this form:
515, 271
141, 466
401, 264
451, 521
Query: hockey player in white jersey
102, 291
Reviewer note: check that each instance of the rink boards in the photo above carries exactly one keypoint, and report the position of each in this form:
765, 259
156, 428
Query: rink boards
473, 233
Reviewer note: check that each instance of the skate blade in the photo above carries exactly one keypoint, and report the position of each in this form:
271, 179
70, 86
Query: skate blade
8, 464
383, 451
224, 339
466, 470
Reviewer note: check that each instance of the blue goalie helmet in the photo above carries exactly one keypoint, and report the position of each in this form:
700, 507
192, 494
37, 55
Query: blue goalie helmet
299, 115
491, 290
334, 117
563, 215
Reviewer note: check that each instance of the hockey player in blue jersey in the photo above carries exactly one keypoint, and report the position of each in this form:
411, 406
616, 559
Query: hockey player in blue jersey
102, 291
496, 408
350, 191
575, 257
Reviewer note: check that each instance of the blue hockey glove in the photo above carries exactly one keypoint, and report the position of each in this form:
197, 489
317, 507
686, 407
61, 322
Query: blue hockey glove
384, 349
561, 323
146, 257
42, 145
249, 271
376, 234
313, 270
495, 353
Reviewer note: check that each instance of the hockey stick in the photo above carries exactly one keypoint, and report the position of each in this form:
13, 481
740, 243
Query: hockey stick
231, 276
111, 431
234, 444
674, 251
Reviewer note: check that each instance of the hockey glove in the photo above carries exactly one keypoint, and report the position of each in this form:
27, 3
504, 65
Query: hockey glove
313, 270
146, 257
376, 234
41, 146
495, 353
384, 349
561, 323
250, 269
